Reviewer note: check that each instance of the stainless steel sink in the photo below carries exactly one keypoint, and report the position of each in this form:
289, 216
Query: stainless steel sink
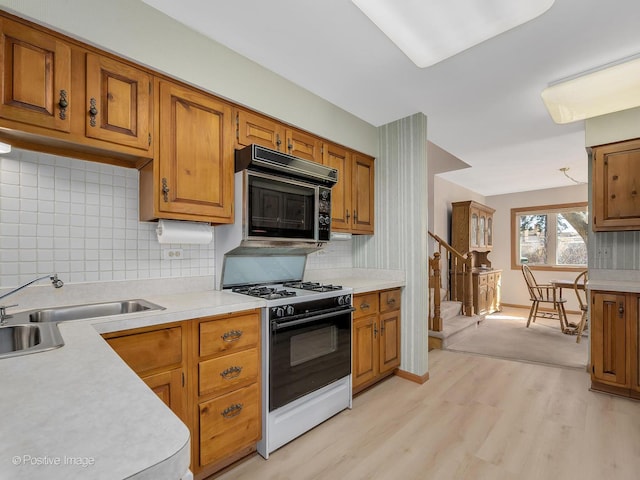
75, 312
24, 339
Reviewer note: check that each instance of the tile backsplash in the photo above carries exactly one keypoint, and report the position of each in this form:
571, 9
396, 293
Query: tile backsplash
80, 220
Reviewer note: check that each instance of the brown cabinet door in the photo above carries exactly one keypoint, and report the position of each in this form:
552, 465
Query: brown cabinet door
118, 108
36, 79
341, 212
389, 341
263, 131
169, 386
303, 145
609, 339
616, 176
365, 350
196, 163
362, 193
229, 423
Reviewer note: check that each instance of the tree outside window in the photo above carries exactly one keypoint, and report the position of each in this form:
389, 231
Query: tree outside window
550, 237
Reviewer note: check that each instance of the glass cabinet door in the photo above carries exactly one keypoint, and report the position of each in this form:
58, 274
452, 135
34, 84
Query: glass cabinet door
474, 230
489, 231
481, 230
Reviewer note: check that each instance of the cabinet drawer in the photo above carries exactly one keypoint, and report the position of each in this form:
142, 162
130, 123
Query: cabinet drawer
389, 300
491, 279
365, 304
482, 279
229, 333
224, 373
148, 351
229, 423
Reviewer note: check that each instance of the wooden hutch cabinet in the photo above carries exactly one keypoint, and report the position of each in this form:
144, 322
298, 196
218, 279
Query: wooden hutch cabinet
472, 233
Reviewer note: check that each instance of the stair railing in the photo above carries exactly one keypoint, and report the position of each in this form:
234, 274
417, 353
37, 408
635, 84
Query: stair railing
458, 276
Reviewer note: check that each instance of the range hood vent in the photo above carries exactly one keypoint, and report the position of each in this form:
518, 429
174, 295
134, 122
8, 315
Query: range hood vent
255, 157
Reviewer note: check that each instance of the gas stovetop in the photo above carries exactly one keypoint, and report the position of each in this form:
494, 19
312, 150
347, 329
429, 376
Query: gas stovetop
292, 292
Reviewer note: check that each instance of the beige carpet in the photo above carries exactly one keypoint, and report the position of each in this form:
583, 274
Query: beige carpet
505, 335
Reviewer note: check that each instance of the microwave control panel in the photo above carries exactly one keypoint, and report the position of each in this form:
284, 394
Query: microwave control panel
324, 214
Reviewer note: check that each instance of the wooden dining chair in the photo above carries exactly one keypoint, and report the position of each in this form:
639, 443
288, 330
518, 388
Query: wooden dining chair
580, 287
544, 294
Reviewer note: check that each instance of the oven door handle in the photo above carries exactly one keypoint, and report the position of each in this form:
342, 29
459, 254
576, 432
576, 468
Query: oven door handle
279, 324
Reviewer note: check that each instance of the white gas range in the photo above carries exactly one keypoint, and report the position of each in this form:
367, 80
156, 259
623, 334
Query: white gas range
306, 347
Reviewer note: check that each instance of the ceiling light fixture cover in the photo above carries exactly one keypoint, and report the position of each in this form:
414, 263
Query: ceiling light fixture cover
607, 90
5, 148
430, 31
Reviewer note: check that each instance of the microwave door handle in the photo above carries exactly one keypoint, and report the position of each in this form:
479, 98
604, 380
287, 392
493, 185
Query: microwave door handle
278, 325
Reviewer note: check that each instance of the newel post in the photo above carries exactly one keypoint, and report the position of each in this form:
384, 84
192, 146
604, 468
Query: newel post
435, 267
468, 286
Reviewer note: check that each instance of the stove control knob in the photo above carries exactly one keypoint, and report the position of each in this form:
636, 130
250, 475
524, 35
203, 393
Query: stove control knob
321, 220
278, 311
289, 309
344, 300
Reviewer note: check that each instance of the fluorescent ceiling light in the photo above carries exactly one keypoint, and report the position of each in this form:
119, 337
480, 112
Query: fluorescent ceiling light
597, 93
5, 148
428, 31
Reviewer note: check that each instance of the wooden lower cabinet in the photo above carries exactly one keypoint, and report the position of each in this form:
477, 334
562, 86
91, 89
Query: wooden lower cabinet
207, 370
225, 373
376, 337
615, 356
157, 355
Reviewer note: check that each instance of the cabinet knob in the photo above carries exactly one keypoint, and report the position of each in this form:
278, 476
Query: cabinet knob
93, 112
620, 310
165, 190
63, 103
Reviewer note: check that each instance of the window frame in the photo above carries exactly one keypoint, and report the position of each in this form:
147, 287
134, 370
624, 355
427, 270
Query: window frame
515, 234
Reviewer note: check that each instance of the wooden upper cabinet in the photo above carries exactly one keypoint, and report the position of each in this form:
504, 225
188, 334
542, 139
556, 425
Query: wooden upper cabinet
303, 145
255, 128
616, 186
118, 102
195, 164
362, 193
341, 211
471, 227
36, 81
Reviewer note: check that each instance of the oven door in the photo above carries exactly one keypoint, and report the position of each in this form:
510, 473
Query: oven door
281, 208
307, 354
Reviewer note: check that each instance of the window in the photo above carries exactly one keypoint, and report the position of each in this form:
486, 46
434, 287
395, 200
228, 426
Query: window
550, 237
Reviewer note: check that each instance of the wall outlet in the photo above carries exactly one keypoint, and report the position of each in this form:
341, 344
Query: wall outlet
172, 254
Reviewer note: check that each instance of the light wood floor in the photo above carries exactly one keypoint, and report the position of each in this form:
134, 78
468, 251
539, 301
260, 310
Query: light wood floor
476, 418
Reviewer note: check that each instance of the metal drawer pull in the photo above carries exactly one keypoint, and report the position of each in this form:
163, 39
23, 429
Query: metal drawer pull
391, 301
231, 372
364, 306
232, 410
232, 336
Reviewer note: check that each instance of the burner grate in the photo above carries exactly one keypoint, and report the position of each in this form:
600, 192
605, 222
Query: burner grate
313, 286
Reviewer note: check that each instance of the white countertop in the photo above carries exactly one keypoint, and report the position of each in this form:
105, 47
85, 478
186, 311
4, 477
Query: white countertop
80, 412
614, 280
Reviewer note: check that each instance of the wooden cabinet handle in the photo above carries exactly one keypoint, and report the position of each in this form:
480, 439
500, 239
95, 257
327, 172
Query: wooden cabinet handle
232, 410
231, 336
231, 373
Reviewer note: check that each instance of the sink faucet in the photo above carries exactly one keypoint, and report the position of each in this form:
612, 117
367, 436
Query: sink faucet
57, 283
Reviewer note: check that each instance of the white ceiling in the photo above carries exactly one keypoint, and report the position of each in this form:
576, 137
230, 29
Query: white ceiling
483, 105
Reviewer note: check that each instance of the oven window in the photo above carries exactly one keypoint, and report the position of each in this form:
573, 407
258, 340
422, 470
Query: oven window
278, 208
315, 344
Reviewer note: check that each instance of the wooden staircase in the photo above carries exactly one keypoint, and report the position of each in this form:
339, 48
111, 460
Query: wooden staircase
451, 315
